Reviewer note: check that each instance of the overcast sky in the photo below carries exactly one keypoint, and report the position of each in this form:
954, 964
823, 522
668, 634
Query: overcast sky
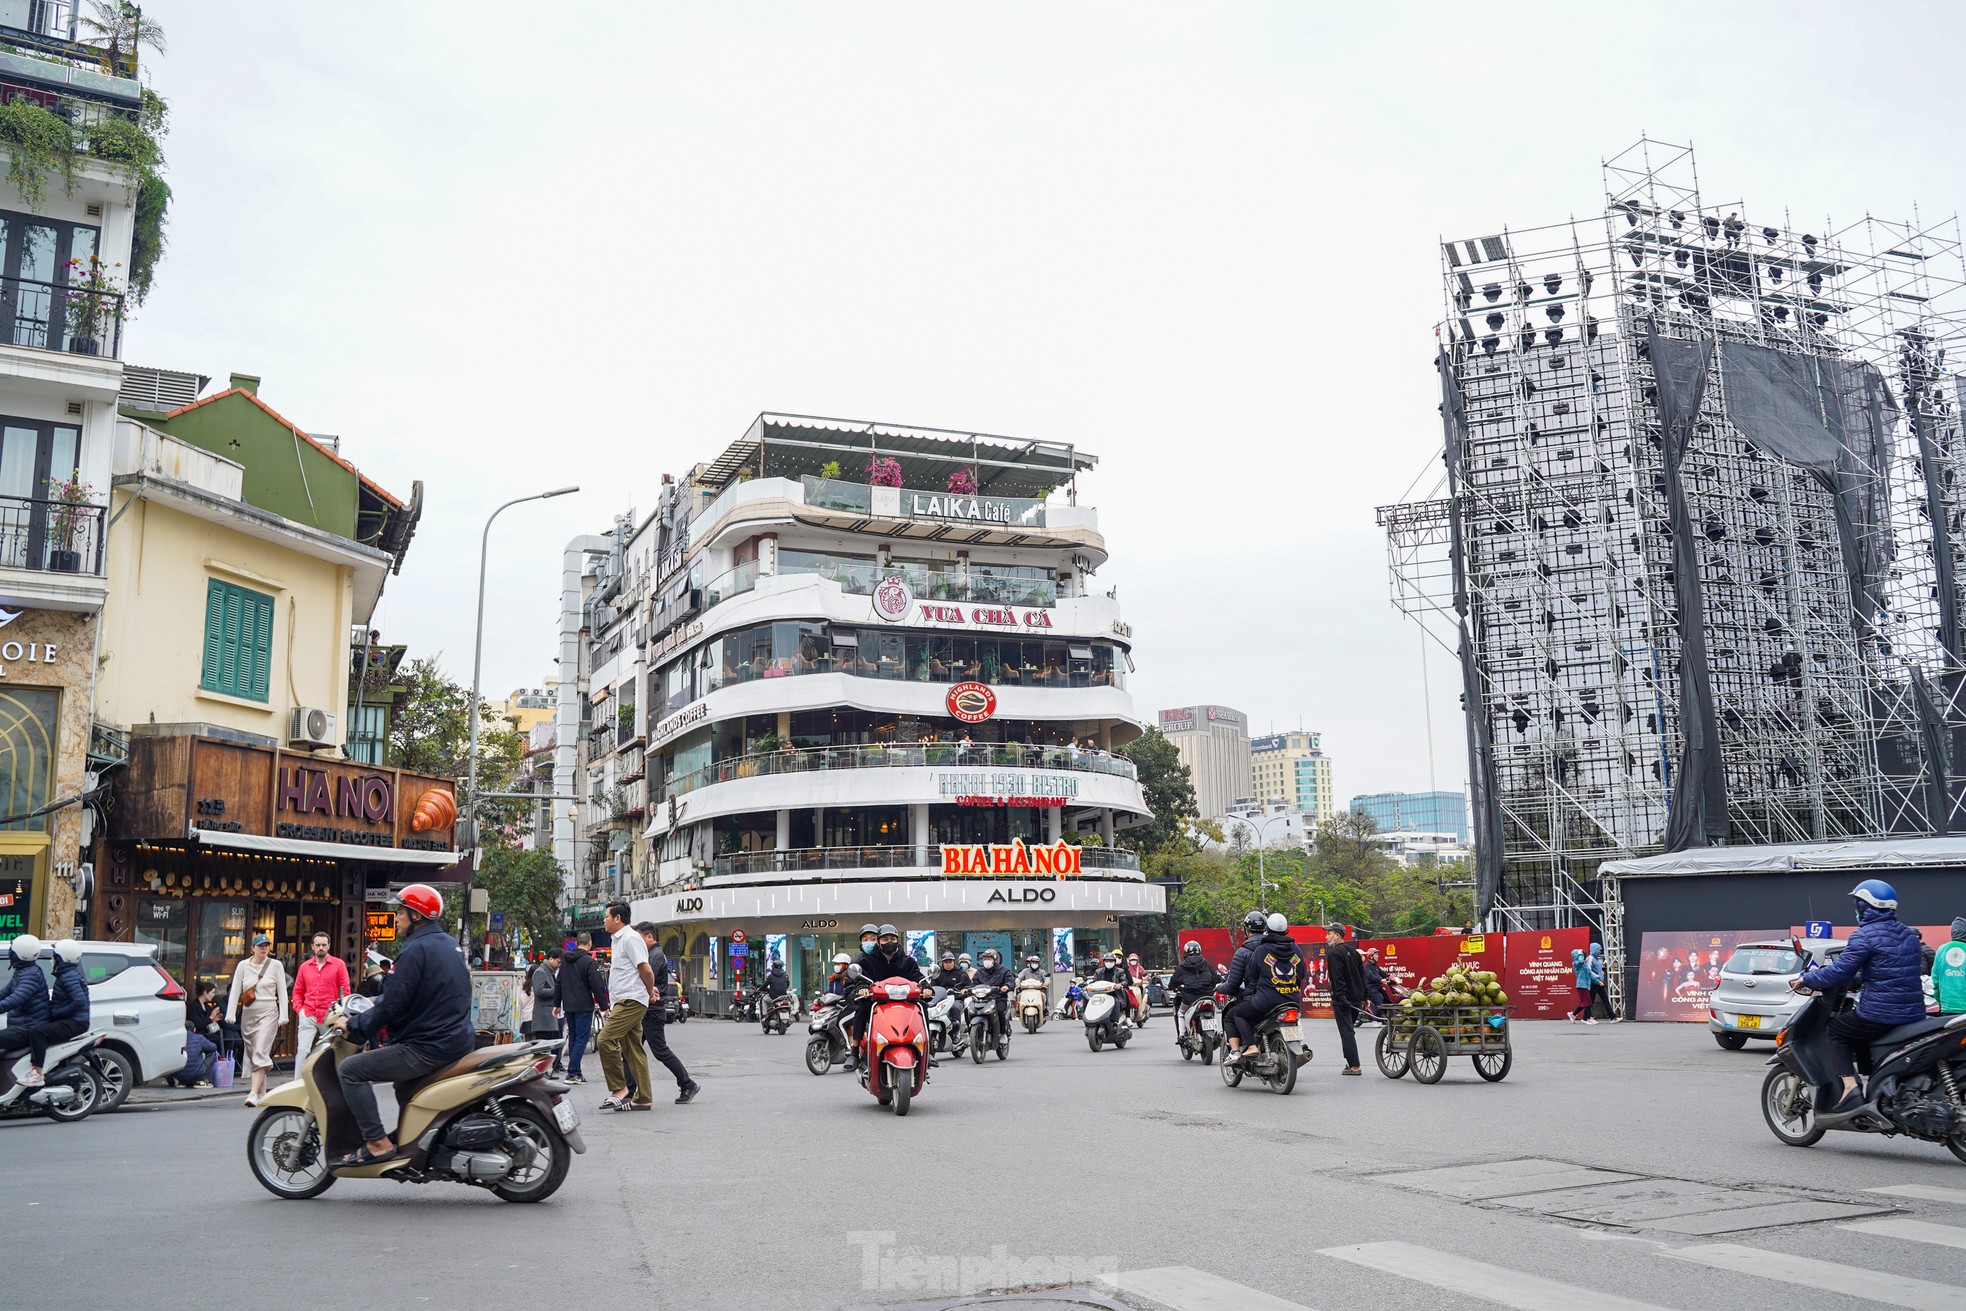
501, 247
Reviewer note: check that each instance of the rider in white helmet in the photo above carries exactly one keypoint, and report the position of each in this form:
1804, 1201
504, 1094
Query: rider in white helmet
24, 1003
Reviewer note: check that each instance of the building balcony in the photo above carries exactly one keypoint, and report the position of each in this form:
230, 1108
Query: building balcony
51, 553
61, 340
953, 755
905, 512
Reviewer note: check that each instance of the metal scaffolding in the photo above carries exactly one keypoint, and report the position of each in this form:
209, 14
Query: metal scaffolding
1826, 601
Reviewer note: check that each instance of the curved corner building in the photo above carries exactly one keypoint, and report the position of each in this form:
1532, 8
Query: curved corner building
868, 677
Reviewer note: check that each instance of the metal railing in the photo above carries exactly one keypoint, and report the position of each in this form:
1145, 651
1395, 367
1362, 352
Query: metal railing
954, 755
861, 577
61, 537
818, 859
51, 316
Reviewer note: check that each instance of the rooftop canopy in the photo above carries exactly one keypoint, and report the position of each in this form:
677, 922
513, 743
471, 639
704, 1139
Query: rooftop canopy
1863, 854
800, 445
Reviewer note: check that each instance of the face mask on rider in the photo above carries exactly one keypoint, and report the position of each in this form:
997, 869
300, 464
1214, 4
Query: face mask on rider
889, 946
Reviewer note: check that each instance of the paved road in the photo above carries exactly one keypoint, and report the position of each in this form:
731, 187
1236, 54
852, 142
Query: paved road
779, 1189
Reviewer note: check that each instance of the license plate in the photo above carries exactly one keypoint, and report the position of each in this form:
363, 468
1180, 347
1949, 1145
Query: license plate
1293, 1033
564, 1116
1747, 1021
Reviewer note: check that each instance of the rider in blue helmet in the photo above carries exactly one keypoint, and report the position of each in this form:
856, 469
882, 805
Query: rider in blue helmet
1883, 958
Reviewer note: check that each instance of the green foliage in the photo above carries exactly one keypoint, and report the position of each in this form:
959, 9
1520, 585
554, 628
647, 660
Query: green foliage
430, 732
830, 469
1170, 792
38, 142
526, 886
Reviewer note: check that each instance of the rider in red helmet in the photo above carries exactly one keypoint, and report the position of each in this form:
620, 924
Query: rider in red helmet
426, 1008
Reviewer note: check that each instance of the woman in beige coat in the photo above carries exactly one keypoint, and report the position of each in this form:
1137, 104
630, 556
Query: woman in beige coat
259, 1021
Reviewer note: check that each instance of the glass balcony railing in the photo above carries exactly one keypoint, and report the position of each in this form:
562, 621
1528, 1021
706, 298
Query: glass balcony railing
810, 860
861, 577
955, 755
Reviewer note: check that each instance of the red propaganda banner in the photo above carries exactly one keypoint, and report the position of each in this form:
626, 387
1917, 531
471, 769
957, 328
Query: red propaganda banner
1678, 971
1539, 979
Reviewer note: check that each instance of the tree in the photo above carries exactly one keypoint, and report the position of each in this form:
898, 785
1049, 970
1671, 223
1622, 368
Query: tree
430, 732
122, 30
526, 886
1170, 792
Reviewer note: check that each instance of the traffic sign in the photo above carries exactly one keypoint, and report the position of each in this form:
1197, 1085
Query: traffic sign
497, 921
739, 949
738, 935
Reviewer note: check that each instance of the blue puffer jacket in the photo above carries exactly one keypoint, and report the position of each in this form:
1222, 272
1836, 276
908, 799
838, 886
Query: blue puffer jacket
26, 1000
71, 999
1883, 959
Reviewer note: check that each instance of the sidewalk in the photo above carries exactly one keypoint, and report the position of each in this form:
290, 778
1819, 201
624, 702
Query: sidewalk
163, 1094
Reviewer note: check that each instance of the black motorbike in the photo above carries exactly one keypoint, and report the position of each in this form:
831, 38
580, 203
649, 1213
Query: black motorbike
1917, 1070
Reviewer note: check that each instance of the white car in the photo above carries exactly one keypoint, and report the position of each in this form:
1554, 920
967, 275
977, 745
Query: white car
137, 1003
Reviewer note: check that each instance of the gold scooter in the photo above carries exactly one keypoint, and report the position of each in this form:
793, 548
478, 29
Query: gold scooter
492, 1120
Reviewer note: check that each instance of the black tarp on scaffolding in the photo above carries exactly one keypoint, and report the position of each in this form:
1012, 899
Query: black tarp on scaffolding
1484, 803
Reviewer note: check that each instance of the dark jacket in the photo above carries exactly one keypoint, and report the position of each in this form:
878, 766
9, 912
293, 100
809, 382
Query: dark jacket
1346, 969
877, 967
1115, 974
1882, 958
1193, 977
426, 1005
582, 985
777, 982
198, 1018
987, 977
545, 996
26, 1000
950, 978
1375, 979
1246, 974
70, 1004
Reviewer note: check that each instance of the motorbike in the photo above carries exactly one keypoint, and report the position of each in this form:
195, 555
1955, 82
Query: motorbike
1198, 1029
491, 1120
1280, 1050
829, 1042
894, 1054
775, 1013
1105, 1003
1142, 1009
75, 1082
1030, 1003
1914, 1088
743, 1008
986, 1033
675, 1006
947, 1031
1069, 1004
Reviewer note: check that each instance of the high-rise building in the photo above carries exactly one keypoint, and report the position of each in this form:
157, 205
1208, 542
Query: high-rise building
1699, 545
1293, 769
1416, 812
1213, 742
850, 672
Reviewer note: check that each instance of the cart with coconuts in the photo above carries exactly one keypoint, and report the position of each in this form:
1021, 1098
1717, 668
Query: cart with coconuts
1461, 1013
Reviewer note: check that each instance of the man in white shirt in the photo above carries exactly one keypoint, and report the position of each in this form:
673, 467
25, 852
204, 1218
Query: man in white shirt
631, 989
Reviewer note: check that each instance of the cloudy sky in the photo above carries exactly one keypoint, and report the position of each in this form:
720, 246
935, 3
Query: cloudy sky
500, 247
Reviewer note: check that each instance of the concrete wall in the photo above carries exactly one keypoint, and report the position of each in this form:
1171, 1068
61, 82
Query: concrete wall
289, 477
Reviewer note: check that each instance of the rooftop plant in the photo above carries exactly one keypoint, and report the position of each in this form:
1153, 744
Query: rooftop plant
884, 471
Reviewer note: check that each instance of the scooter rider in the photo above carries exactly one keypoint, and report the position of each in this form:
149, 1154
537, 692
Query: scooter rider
1882, 957
25, 1003
955, 981
993, 974
886, 961
425, 1006
1033, 971
1267, 971
964, 964
838, 984
1114, 972
1194, 978
870, 936
68, 1009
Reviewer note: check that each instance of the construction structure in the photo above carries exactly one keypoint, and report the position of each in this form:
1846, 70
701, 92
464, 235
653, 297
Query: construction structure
1695, 543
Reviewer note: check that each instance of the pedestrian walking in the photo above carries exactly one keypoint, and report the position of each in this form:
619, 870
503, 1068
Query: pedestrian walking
319, 982
546, 999
630, 986
583, 990
654, 1023
1599, 992
201, 1037
1580, 970
257, 1004
1949, 972
1347, 974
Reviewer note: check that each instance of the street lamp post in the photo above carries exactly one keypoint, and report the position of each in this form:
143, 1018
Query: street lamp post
477, 668
1262, 883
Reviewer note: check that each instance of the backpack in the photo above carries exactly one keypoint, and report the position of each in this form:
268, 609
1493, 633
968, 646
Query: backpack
1284, 971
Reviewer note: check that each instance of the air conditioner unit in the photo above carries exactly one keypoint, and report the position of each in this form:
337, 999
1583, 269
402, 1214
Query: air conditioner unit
311, 727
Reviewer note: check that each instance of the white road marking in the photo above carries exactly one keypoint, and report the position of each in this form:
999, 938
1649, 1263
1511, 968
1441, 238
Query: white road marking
1924, 1193
1184, 1288
1880, 1286
1915, 1231
1470, 1278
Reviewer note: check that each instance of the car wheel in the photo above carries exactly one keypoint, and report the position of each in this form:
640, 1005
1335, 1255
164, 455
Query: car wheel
119, 1075
1733, 1042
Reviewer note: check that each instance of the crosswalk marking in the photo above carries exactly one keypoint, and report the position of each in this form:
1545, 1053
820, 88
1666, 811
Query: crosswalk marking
1828, 1276
1471, 1278
1924, 1193
1915, 1231
1184, 1288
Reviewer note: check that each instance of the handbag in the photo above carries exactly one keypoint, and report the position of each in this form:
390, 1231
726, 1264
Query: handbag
252, 990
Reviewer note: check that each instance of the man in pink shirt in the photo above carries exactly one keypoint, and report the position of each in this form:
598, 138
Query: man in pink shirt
320, 982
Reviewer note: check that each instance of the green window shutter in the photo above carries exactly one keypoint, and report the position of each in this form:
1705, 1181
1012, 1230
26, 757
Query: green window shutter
258, 661
214, 634
238, 659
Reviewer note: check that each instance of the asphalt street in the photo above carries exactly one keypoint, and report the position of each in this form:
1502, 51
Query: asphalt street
779, 1189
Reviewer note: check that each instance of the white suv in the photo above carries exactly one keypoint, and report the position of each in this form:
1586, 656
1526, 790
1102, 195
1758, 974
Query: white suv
138, 1005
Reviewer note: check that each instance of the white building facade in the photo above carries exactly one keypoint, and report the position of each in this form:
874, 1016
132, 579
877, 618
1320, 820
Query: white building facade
1213, 742
874, 683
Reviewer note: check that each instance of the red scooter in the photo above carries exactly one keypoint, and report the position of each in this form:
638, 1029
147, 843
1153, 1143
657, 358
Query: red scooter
894, 1054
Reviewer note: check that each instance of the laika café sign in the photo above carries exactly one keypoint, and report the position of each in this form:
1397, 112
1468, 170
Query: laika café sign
976, 509
1013, 857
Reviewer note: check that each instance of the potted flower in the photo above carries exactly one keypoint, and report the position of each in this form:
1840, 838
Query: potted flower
884, 471
962, 482
70, 501
95, 304
830, 470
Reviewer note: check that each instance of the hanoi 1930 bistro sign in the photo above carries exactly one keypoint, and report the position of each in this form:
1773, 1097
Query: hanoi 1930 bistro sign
999, 858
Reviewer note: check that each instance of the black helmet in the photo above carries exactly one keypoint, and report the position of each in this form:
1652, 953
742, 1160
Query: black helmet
1255, 921
1191, 949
